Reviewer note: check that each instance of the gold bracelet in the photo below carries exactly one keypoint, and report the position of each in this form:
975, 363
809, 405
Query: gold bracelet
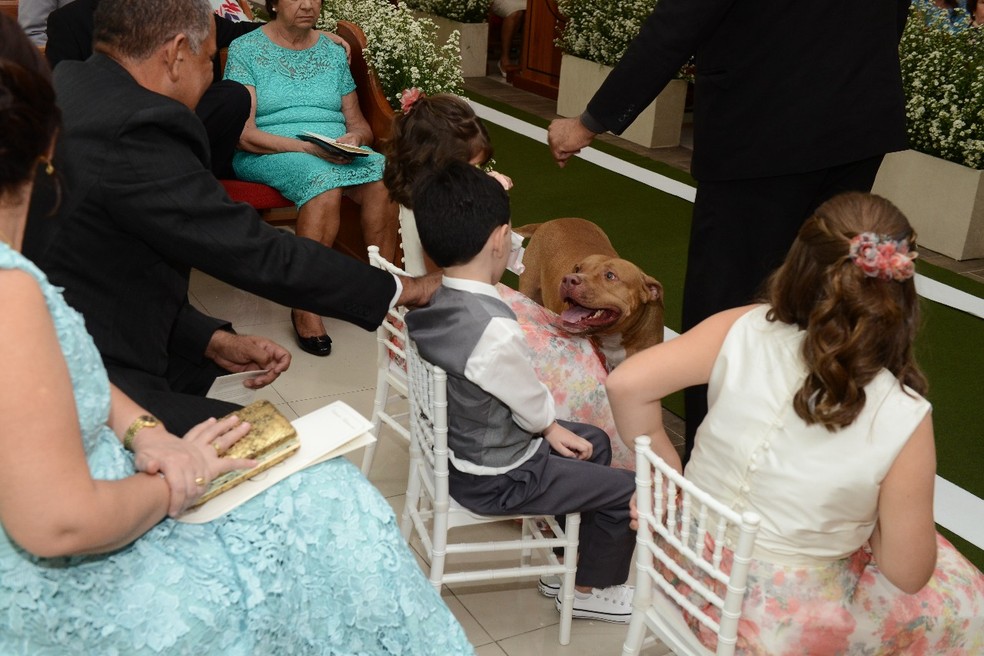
143, 421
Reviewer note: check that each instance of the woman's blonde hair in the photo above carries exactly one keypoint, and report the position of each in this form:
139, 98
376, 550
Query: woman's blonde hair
855, 324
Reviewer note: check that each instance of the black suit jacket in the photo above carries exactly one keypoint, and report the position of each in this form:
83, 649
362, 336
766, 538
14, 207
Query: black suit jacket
782, 87
140, 209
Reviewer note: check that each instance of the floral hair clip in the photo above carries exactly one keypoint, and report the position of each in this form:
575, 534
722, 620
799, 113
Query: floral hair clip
880, 256
408, 97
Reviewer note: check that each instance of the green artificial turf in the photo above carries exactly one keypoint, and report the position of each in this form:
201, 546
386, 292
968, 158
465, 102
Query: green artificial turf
651, 228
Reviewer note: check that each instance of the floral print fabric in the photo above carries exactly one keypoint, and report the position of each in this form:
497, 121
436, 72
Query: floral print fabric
315, 565
848, 608
570, 368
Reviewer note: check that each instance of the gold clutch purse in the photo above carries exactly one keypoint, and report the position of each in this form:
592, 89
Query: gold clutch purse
271, 439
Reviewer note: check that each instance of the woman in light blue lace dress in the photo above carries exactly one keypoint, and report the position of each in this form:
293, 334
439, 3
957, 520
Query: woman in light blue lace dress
90, 562
300, 82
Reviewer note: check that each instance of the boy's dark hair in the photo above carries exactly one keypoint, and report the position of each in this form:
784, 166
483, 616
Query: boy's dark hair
456, 209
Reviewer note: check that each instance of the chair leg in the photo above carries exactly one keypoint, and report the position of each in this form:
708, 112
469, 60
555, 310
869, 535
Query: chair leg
643, 594
378, 407
527, 537
636, 633
413, 497
439, 545
572, 527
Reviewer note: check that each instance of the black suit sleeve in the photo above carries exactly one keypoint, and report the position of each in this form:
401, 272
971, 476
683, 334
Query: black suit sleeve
192, 332
70, 32
160, 192
668, 38
226, 30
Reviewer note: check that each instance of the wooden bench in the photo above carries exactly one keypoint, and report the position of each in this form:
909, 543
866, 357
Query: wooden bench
9, 7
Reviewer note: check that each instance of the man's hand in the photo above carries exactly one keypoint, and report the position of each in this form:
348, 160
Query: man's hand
566, 137
418, 291
566, 443
342, 42
238, 353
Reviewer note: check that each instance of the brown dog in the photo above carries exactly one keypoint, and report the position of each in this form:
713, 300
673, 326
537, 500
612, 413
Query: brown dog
573, 270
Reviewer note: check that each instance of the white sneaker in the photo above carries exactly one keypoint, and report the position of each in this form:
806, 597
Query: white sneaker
549, 585
613, 604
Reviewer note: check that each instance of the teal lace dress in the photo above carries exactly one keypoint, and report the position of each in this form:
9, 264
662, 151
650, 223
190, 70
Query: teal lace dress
315, 565
297, 91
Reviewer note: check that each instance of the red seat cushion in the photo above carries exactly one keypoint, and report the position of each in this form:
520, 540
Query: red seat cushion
260, 196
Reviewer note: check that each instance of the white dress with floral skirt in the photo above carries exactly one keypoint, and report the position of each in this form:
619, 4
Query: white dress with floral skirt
814, 588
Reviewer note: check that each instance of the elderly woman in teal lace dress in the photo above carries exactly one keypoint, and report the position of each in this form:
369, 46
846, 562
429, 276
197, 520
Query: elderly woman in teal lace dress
300, 82
91, 561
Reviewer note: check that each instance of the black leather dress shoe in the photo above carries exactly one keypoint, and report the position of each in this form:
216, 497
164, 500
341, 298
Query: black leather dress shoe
319, 345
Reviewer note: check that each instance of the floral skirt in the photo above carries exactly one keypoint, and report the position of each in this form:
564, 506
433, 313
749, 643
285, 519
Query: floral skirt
847, 607
570, 368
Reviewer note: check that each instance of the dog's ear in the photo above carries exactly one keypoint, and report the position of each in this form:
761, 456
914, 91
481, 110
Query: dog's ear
655, 288
526, 230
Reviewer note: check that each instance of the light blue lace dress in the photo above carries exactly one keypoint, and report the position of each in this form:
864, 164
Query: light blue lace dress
315, 565
297, 91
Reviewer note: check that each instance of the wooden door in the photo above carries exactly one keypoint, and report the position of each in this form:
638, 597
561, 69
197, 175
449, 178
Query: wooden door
9, 7
540, 61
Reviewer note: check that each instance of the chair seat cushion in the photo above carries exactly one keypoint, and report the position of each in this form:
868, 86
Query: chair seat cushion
260, 196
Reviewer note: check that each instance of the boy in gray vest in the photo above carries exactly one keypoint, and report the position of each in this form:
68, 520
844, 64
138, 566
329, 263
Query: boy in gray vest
508, 452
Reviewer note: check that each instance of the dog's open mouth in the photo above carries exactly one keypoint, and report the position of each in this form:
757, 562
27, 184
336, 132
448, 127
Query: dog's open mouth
579, 318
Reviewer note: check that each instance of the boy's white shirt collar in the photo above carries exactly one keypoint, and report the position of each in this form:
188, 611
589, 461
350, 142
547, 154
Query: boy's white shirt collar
474, 286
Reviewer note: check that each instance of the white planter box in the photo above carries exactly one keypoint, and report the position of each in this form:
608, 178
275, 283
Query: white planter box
943, 201
473, 42
657, 127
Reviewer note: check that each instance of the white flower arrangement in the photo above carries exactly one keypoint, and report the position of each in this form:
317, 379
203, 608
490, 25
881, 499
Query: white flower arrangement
400, 49
601, 30
943, 78
463, 11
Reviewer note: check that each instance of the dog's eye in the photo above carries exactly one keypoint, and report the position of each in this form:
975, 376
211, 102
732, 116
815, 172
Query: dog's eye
577, 268
610, 275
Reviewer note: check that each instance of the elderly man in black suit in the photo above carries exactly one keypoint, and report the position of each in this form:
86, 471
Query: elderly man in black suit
794, 102
140, 208
223, 108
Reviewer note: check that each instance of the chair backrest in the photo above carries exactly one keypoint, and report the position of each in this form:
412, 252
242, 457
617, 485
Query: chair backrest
427, 385
372, 100
391, 333
688, 537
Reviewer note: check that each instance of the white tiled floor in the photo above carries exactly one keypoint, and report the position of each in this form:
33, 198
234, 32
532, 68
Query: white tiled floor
502, 619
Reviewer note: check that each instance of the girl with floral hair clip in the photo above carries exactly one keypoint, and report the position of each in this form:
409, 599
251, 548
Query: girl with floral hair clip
818, 423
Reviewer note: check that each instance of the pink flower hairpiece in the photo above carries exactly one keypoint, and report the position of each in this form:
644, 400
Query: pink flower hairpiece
408, 98
880, 256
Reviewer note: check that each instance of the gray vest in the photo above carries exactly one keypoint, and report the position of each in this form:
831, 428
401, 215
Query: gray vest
480, 426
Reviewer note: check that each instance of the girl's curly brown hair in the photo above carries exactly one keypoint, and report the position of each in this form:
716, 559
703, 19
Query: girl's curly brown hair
855, 325
437, 130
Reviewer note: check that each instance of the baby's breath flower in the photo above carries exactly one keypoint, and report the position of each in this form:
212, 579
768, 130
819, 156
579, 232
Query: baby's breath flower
399, 48
463, 11
943, 78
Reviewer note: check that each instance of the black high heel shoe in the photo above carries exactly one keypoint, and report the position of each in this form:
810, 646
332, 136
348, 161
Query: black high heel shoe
319, 345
